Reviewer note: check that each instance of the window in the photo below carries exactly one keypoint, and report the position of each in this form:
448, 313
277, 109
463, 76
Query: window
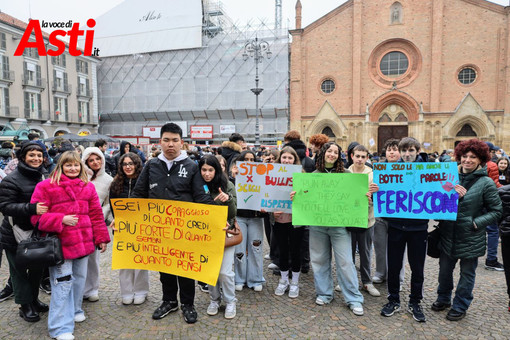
60, 108
59, 60
83, 111
328, 86
4, 101
394, 64
467, 76
31, 53
3, 41
33, 105
82, 66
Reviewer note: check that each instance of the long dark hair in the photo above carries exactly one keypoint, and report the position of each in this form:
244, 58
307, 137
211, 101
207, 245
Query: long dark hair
220, 179
321, 158
118, 181
243, 155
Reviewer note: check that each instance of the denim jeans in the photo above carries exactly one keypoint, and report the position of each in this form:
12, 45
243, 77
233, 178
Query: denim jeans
249, 259
464, 291
67, 284
492, 242
322, 239
226, 279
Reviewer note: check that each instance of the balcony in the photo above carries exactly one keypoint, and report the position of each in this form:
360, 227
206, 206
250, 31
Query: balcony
60, 116
33, 114
84, 93
7, 76
63, 88
37, 82
10, 111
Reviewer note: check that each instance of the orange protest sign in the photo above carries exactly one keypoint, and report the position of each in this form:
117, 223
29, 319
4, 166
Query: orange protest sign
180, 238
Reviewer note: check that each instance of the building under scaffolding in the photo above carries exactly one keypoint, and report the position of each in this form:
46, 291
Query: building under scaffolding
207, 85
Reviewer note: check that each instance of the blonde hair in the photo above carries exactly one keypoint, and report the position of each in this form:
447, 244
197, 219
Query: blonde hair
68, 157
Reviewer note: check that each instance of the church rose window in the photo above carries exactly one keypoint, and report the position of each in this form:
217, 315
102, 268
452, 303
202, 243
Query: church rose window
328, 86
394, 64
467, 76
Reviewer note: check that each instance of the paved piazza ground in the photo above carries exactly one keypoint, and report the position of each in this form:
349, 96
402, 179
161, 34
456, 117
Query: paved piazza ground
262, 315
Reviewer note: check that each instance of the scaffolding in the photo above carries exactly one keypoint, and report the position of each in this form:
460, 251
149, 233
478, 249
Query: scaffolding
202, 86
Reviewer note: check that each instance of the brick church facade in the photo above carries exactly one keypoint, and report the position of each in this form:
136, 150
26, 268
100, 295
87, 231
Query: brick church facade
437, 70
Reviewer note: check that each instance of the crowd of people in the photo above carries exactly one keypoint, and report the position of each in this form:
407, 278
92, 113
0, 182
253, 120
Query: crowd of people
67, 189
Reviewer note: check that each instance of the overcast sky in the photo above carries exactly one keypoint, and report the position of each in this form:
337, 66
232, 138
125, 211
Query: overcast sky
241, 11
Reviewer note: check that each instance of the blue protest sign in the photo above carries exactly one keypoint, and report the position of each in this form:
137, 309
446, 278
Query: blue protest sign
416, 190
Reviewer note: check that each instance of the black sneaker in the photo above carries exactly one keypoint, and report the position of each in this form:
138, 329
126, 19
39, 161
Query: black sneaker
165, 308
189, 313
204, 288
6, 293
439, 306
415, 309
454, 315
390, 308
45, 286
494, 266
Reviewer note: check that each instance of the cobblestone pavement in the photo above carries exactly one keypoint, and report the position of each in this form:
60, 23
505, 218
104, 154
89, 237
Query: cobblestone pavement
262, 315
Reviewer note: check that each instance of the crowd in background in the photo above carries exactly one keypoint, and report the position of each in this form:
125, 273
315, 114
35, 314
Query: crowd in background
66, 189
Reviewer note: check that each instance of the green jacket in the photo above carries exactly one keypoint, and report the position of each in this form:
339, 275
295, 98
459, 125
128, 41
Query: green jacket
460, 239
231, 203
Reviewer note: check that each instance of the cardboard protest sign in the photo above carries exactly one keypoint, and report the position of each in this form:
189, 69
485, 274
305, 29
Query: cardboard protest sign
180, 238
330, 200
265, 186
416, 190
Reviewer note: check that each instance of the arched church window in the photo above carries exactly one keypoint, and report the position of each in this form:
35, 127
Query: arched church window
396, 13
401, 118
466, 131
328, 132
385, 118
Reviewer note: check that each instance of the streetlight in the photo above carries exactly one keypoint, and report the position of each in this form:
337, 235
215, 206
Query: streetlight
258, 50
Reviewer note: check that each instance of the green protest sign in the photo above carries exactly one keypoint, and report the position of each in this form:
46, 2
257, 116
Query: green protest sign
330, 200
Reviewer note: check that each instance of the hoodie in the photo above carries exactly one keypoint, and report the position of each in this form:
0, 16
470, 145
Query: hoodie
229, 150
102, 181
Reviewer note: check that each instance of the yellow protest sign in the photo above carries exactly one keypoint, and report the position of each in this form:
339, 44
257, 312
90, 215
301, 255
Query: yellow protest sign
180, 238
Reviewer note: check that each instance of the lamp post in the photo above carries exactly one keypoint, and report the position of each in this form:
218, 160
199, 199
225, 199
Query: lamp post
258, 50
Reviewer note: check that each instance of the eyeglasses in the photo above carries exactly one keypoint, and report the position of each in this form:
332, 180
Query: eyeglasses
131, 164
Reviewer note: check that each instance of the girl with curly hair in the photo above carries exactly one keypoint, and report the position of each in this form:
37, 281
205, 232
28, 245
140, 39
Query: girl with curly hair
464, 240
134, 283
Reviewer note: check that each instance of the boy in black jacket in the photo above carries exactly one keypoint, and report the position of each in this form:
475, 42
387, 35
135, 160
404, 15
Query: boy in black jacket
173, 176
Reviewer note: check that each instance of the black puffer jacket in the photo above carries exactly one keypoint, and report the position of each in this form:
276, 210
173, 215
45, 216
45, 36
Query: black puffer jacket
300, 147
15, 192
230, 150
504, 226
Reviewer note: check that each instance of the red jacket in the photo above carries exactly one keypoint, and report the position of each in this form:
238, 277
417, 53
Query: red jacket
72, 197
493, 172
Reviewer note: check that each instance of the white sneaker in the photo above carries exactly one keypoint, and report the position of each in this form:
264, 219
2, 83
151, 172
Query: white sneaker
294, 290
79, 318
138, 300
239, 287
319, 301
93, 298
338, 288
377, 280
267, 257
282, 287
371, 289
272, 266
257, 288
230, 310
356, 310
65, 336
213, 308
127, 300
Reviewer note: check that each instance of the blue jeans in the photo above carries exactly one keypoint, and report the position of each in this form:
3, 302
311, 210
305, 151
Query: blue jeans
249, 259
492, 242
67, 285
322, 239
464, 291
225, 285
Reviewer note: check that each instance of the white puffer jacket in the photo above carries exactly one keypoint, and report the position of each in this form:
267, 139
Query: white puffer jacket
102, 181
